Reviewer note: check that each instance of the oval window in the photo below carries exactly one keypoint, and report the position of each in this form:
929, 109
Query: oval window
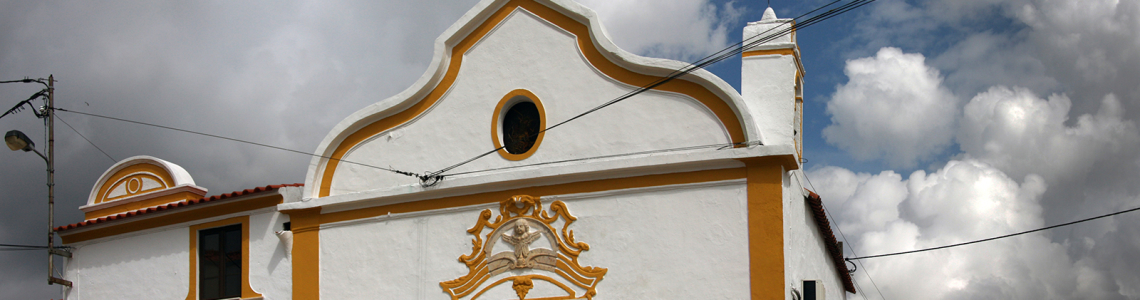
521, 126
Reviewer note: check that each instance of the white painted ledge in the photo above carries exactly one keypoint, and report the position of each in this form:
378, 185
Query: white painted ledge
575, 171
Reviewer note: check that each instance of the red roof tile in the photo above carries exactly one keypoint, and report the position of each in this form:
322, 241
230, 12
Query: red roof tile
815, 203
174, 205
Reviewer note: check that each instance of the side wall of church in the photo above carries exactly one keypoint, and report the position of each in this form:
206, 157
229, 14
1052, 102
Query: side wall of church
805, 255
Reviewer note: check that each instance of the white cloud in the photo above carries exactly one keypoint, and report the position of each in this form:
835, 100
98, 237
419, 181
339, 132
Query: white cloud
963, 201
682, 30
1020, 133
894, 108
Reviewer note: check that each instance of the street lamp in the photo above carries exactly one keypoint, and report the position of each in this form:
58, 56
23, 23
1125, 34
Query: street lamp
17, 140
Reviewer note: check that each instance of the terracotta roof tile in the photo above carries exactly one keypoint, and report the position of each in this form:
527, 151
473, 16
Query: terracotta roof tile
815, 203
174, 205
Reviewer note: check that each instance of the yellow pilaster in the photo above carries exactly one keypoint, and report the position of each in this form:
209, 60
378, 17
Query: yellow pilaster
306, 225
765, 227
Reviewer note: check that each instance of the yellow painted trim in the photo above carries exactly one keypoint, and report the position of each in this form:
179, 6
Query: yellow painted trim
183, 215
497, 118
537, 191
158, 171
765, 228
126, 207
716, 104
127, 181
563, 259
306, 225
246, 290
783, 51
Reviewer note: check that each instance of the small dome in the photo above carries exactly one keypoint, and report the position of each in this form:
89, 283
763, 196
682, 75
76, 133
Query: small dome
769, 15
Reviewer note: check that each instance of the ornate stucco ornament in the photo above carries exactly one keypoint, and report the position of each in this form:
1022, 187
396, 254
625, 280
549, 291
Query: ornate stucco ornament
530, 258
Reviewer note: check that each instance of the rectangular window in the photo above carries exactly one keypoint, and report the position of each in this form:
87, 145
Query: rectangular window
219, 262
813, 290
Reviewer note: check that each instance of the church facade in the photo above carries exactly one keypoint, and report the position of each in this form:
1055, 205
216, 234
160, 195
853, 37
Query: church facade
689, 190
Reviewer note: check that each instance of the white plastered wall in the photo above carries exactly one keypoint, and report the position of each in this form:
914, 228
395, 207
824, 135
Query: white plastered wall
805, 255
154, 264
768, 85
270, 271
147, 266
526, 52
674, 242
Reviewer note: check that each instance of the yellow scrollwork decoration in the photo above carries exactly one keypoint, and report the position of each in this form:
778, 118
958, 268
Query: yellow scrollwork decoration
517, 216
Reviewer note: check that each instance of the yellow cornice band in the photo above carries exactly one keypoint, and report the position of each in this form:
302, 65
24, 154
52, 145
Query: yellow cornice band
781, 51
181, 215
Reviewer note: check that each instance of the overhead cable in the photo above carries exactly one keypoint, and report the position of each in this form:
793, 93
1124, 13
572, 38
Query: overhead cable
996, 237
27, 80
718, 146
23, 246
86, 139
239, 141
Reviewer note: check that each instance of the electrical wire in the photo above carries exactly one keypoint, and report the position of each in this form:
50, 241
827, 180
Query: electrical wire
998, 237
27, 80
19, 105
849, 244
86, 139
719, 56
239, 141
718, 146
23, 246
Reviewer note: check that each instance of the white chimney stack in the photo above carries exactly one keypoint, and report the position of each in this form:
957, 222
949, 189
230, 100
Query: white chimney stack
771, 76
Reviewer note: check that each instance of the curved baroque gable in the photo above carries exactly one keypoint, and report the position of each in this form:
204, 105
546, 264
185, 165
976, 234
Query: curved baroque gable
139, 181
459, 79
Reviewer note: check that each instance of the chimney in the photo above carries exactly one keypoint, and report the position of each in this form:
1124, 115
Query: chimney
771, 80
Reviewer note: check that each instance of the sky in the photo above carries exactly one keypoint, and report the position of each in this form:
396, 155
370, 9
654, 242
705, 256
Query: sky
926, 122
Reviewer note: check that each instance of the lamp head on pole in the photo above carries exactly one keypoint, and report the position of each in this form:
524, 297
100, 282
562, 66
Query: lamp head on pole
16, 140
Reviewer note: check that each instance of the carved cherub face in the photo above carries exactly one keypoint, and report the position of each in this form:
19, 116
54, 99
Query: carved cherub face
521, 229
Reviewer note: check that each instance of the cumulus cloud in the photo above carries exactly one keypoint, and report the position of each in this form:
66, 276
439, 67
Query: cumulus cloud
1068, 169
682, 30
1021, 133
965, 200
1086, 48
894, 108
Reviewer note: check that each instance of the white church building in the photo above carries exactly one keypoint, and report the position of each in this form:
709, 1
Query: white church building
690, 190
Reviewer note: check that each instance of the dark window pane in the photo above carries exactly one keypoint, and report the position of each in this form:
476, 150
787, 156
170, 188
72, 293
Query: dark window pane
209, 288
809, 290
219, 263
521, 126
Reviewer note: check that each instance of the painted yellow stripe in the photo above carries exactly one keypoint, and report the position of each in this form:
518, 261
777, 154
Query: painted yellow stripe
765, 228
784, 51
306, 252
188, 214
716, 104
161, 172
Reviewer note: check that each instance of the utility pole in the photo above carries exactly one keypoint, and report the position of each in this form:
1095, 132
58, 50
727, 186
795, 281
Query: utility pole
17, 140
49, 112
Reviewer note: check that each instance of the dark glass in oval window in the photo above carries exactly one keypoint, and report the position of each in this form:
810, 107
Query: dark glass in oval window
521, 126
